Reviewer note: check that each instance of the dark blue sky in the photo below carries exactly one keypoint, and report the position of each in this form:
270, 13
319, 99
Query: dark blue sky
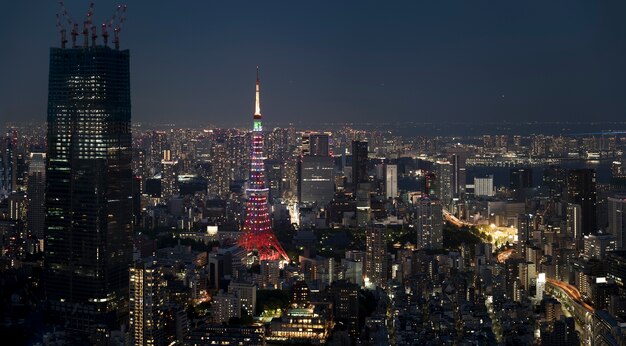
193, 62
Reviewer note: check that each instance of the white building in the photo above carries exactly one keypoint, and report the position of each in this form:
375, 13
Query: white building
483, 187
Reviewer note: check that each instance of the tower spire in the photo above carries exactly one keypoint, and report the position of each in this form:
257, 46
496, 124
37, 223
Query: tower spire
257, 108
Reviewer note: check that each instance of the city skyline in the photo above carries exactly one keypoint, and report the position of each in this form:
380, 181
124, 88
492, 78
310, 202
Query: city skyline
353, 61
401, 193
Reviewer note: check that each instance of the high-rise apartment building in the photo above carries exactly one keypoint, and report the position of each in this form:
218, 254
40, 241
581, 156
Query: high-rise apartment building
376, 255
459, 174
169, 176
147, 303
444, 182
429, 223
88, 235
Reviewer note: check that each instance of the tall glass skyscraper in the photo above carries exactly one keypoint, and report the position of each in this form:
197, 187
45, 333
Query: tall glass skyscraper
88, 234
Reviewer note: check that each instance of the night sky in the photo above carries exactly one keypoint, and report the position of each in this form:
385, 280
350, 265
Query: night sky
193, 62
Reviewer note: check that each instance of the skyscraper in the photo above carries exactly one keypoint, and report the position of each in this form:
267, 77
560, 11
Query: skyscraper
376, 255
169, 176
520, 179
617, 220
36, 194
444, 182
319, 144
147, 300
581, 190
459, 174
88, 235
429, 224
257, 229
316, 179
359, 162
555, 179
391, 181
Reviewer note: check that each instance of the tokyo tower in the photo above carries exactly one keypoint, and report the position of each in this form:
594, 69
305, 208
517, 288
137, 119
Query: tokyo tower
257, 230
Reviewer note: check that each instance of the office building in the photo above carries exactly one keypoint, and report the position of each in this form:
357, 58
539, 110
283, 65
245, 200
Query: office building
520, 179
319, 144
274, 178
88, 235
581, 190
316, 179
597, 245
391, 181
359, 162
36, 194
483, 186
225, 306
246, 292
573, 225
617, 220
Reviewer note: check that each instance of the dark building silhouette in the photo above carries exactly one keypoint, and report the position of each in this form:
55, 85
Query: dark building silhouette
459, 174
520, 179
89, 210
36, 194
319, 144
555, 179
359, 163
581, 190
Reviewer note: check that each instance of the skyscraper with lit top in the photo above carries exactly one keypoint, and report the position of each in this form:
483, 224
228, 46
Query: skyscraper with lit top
258, 235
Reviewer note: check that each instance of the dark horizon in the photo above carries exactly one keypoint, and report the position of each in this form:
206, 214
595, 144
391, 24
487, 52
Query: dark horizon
356, 61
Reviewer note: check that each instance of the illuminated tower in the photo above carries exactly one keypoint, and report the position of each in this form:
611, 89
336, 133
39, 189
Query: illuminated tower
257, 230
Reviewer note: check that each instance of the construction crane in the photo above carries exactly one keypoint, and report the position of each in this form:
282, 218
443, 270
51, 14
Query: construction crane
64, 20
62, 31
109, 25
87, 24
118, 26
63, 16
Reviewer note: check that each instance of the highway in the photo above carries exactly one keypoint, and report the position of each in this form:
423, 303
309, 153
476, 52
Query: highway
504, 255
572, 292
454, 220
